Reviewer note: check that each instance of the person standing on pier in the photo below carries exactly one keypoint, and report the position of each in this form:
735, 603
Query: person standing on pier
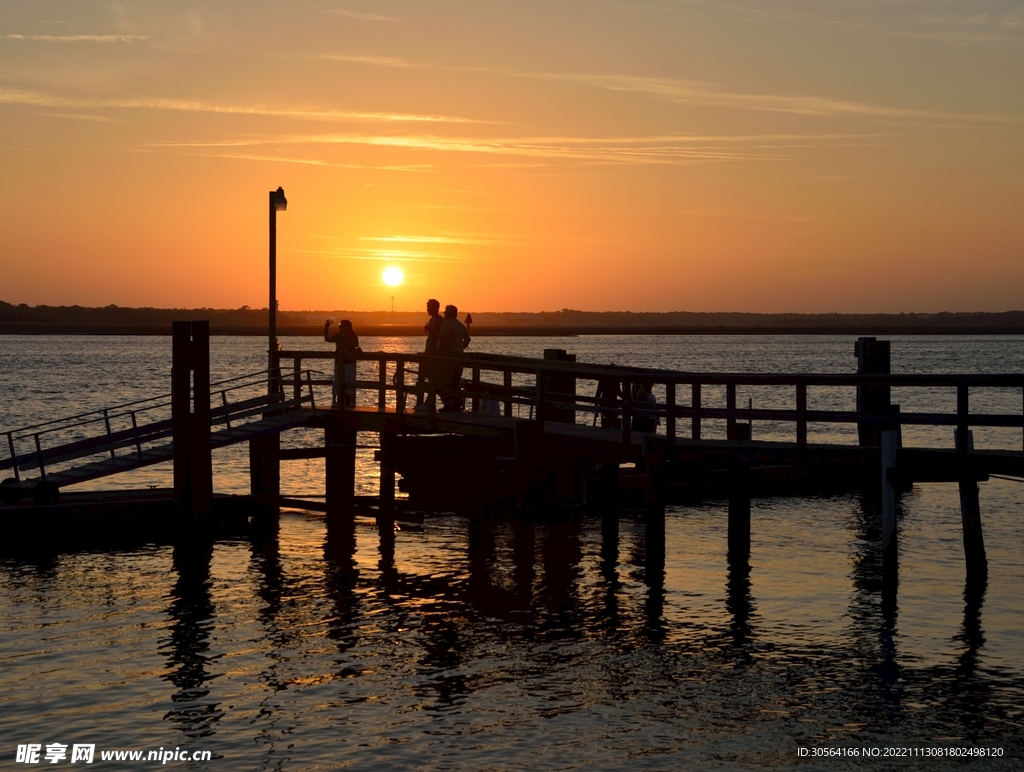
646, 406
345, 342
609, 390
453, 338
433, 330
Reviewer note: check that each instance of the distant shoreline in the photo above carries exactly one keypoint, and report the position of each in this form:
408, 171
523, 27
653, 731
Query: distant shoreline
415, 331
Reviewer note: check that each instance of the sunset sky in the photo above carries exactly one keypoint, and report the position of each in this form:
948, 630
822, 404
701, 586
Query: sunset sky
793, 155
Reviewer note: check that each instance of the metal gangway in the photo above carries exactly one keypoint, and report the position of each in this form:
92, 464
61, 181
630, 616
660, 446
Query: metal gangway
98, 443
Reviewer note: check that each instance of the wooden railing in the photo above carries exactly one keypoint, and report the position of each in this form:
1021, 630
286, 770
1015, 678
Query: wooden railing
518, 382
145, 422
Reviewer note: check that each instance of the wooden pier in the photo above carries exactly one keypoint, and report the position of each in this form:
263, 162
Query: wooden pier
533, 436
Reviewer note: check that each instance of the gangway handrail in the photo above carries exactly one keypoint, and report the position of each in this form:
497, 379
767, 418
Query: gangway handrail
257, 378
108, 440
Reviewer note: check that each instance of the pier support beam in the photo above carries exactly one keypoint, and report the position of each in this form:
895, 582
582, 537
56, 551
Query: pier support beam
265, 471
340, 482
739, 513
190, 419
386, 495
970, 507
605, 503
890, 554
974, 543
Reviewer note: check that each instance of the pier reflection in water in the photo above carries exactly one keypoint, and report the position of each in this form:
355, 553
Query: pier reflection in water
190, 663
476, 640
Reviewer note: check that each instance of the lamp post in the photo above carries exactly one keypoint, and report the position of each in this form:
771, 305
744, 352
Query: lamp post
278, 203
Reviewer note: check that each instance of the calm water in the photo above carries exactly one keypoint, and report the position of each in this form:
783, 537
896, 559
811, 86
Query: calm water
497, 645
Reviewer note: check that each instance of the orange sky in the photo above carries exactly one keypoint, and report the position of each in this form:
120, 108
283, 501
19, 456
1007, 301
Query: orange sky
795, 155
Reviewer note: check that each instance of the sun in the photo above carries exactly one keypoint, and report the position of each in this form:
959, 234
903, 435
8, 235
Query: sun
393, 276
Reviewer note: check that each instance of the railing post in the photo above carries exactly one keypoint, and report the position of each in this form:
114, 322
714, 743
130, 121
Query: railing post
695, 420
39, 459
627, 415
382, 383
135, 429
801, 415
224, 403
309, 383
400, 386
297, 380
962, 417
14, 456
670, 411
475, 402
106, 422
508, 393
730, 408
538, 405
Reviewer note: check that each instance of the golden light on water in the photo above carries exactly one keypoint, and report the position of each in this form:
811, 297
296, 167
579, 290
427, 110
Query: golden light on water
393, 276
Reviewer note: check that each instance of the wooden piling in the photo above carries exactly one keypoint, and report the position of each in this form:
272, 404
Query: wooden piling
872, 359
970, 507
890, 553
340, 479
386, 507
190, 418
265, 471
558, 388
605, 502
739, 512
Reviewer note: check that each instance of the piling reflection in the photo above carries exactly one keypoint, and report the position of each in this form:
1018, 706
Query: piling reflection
188, 660
874, 612
971, 692
740, 605
560, 554
524, 548
654, 573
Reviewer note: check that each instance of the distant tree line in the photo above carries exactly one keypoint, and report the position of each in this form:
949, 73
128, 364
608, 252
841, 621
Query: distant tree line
112, 316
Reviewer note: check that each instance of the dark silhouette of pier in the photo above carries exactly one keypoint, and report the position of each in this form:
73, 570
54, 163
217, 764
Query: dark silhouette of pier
527, 440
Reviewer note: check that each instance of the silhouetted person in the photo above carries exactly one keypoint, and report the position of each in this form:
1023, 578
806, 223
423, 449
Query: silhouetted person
433, 330
609, 390
453, 337
433, 326
645, 418
345, 342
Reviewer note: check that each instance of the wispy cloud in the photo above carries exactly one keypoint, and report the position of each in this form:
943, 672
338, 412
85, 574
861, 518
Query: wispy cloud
377, 61
722, 213
696, 93
378, 254
364, 16
37, 99
670, 149
422, 168
467, 240
701, 94
79, 117
78, 38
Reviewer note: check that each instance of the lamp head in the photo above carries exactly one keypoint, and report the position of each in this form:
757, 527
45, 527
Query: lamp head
280, 202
